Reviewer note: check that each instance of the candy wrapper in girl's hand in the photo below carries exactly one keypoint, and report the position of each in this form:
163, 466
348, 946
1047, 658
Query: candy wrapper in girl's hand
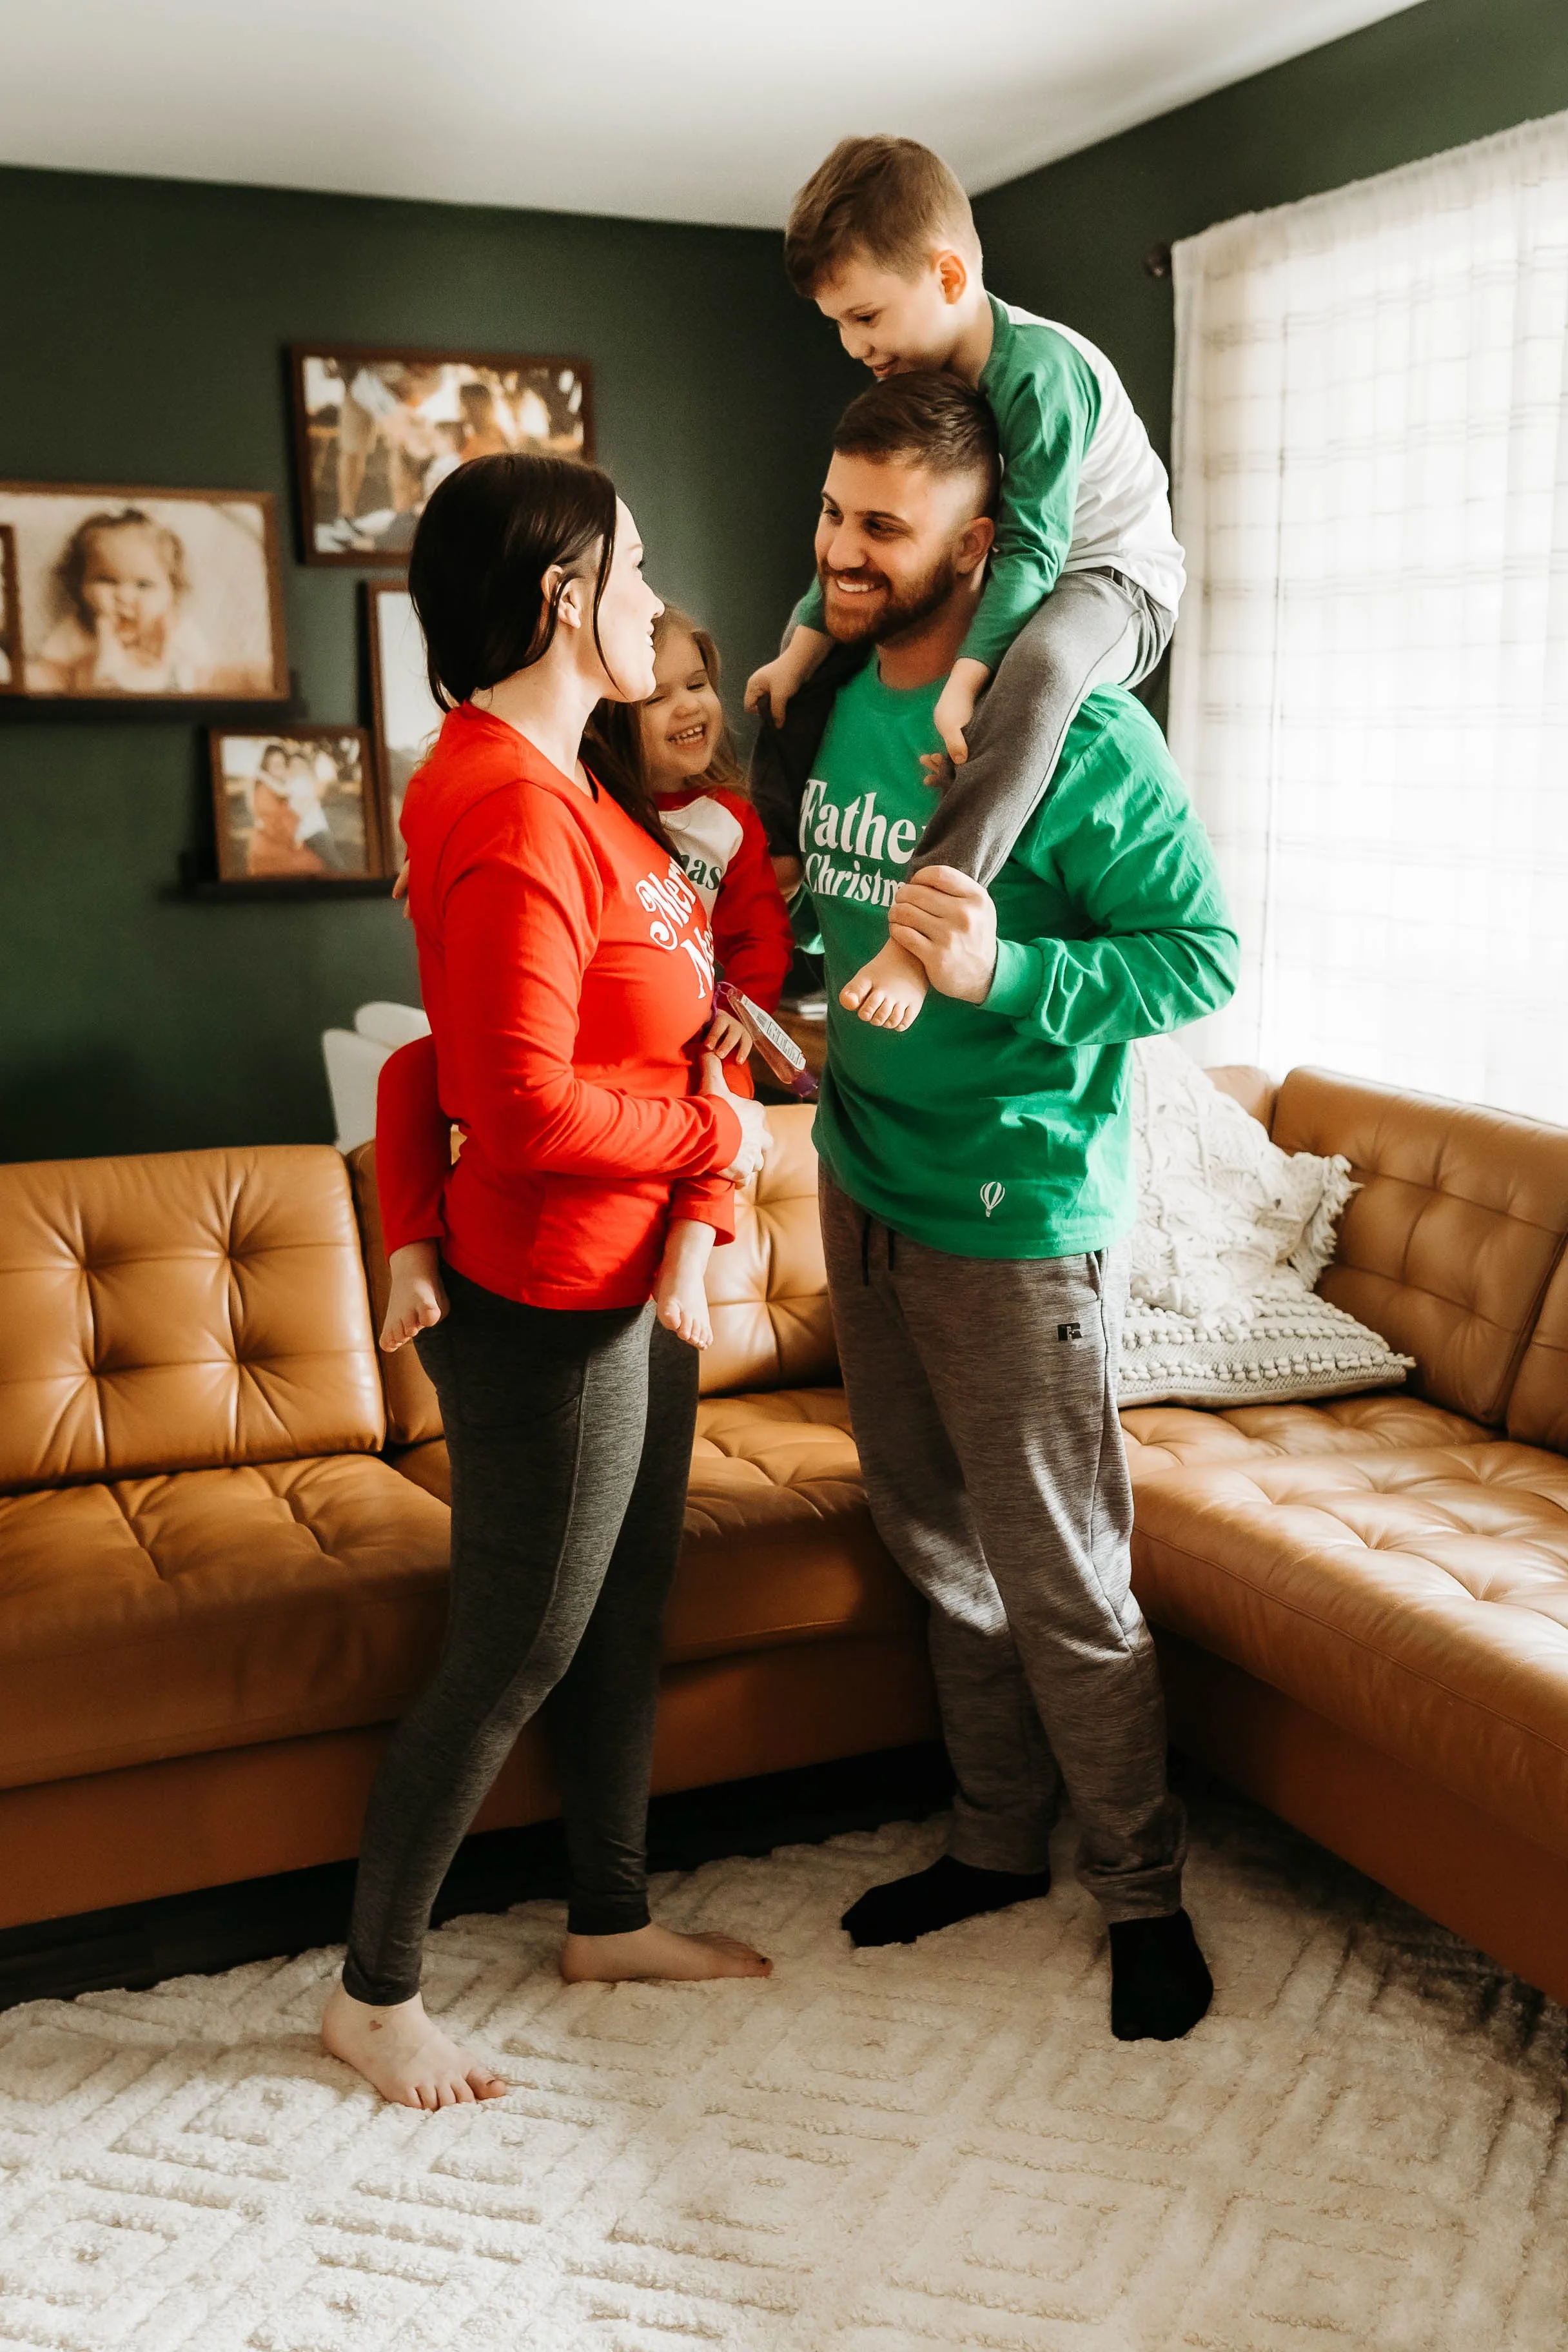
775, 1045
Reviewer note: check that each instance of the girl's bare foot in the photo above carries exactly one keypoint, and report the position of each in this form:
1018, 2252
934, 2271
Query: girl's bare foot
888, 991
658, 1954
404, 2055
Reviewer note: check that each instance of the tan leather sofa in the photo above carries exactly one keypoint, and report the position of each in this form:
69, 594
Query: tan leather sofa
223, 1548
221, 1543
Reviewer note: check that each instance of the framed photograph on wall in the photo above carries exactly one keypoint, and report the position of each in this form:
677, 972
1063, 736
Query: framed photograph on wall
147, 596
405, 714
10, 616
296, 804
376, 430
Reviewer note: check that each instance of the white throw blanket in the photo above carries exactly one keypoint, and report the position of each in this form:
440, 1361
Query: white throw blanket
1231, 1234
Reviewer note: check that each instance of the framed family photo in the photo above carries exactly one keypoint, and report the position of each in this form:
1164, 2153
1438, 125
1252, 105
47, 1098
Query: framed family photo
298, 804
406, 716
145, 595
10, 619
376, 430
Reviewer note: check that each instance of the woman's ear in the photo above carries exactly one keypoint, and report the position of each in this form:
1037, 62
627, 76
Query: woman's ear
567, 593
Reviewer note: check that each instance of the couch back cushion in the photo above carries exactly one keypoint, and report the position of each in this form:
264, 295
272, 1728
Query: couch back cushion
768, 1291
1538, 1401
413, 1414
1449, 1245
181, 1310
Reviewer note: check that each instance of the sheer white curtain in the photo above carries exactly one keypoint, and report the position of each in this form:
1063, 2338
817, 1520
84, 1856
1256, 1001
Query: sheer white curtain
1370, 686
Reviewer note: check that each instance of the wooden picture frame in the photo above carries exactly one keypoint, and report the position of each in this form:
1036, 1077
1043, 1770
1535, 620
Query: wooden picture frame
186, 604
404, 715
10, 615
359, 494
316, 826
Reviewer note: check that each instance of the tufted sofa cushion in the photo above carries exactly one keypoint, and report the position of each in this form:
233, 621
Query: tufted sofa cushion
767, 1290
1449, 1245
413, 1413
169, 1616
1417, 1598
180, 1311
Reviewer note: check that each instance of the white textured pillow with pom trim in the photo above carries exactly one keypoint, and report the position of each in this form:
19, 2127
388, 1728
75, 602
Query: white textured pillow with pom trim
1231, 1234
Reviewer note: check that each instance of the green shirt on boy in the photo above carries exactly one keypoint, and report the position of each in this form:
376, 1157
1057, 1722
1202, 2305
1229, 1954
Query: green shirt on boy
1081, 487
1002, 1129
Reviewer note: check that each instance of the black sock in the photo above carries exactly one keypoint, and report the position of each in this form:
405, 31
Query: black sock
937, 1897
1160, 1983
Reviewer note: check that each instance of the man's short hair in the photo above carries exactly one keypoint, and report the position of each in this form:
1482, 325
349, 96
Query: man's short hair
891, 200
925, 418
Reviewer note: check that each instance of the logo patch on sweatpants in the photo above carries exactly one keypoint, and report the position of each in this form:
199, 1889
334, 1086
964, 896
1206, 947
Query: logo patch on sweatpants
992, 1197
1069, 1330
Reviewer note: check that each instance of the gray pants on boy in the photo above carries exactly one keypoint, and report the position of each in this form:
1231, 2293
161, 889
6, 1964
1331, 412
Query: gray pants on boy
984, 1397
1094, 628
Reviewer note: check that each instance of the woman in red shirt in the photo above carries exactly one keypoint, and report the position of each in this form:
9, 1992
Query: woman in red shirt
567, 970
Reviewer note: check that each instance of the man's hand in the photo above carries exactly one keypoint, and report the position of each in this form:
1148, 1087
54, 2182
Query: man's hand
949, 924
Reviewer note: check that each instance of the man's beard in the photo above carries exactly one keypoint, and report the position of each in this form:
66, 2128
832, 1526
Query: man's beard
896, 612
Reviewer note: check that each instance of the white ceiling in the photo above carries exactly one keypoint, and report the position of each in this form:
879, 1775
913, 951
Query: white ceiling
669, 110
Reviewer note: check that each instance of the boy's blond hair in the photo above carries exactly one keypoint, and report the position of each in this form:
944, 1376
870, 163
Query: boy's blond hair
890, 200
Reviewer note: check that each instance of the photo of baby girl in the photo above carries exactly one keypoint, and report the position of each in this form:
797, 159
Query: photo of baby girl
158, 596
294, 806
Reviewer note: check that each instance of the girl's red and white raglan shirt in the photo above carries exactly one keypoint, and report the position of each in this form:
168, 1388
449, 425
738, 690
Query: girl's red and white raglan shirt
567, 970
725, 852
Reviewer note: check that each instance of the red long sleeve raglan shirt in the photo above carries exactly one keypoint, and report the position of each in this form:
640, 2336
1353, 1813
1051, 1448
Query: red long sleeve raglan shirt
567, 971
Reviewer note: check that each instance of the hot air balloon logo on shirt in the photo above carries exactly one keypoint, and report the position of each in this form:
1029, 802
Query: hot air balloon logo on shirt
992, 1196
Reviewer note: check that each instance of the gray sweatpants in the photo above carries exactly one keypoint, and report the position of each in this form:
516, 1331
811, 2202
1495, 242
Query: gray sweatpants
983, 1393
1094, 628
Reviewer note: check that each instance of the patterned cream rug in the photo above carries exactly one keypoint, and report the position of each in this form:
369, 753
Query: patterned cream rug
902, 2151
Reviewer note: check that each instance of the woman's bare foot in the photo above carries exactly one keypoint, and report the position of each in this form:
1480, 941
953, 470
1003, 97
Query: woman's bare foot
888, 991
658, 1954
404, 2055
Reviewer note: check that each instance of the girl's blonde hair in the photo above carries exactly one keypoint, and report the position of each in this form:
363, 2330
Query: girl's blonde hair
613, 740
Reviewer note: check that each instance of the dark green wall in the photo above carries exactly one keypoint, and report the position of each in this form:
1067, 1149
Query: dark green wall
143, 324
1070, 240
143, 321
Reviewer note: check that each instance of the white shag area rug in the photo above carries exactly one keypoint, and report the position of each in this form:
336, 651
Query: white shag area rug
901, 2151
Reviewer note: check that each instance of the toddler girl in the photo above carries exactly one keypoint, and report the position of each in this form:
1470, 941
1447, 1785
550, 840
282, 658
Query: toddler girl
124, 584
680, 743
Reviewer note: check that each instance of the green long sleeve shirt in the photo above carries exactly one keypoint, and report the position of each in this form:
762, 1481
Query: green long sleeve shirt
1082, 488
1002, 1129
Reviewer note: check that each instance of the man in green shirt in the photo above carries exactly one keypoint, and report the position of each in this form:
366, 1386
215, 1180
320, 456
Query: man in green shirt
976, 1194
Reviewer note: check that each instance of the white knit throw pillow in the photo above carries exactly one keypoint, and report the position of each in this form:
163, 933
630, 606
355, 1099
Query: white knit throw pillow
1231, 1234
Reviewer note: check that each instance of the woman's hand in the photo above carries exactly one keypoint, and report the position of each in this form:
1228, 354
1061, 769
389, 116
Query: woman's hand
751, 1115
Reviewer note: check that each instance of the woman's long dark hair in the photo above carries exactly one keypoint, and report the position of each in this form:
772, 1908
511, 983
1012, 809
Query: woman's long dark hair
475, 575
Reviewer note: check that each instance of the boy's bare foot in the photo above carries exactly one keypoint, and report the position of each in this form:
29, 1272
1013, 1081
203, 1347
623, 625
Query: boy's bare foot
404, 2055
888, 991
656, 1954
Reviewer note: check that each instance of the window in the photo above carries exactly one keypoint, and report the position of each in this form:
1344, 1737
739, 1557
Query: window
1370, 686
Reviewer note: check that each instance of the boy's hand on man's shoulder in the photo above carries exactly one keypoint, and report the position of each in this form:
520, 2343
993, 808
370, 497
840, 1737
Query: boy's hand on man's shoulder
948, 922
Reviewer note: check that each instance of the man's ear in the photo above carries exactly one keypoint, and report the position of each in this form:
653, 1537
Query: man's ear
975, 543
